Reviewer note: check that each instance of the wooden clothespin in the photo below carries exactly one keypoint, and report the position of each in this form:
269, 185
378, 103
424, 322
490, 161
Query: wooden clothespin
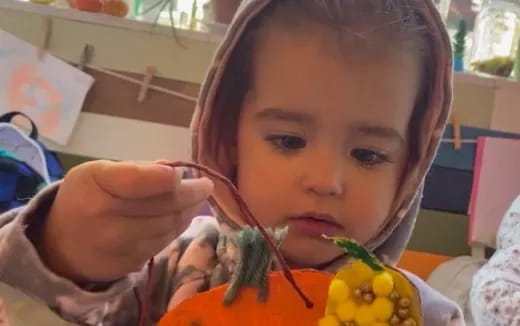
149, 73
455, 122
45, 37
86, 56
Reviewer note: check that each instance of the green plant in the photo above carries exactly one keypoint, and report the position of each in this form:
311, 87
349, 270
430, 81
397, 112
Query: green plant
459, 46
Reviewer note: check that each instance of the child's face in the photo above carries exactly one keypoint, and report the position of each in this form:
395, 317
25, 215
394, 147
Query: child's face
323, 138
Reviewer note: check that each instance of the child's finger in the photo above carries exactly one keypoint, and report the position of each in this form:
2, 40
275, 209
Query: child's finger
191, 192
134, 181
156, 227
188, 193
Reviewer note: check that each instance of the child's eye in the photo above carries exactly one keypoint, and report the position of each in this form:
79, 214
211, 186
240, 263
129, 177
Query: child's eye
287, 143
369, 157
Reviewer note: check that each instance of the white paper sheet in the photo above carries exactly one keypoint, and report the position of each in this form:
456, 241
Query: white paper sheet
48, 90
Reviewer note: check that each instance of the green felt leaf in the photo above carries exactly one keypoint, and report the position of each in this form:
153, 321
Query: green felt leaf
356, 250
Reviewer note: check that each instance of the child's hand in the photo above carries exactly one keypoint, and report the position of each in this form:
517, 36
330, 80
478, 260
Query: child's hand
109, 218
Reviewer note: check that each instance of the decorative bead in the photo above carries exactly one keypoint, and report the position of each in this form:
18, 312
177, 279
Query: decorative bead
394, 295
404, 303
368, 297
366, 287
403, 313
395, 321
410, 322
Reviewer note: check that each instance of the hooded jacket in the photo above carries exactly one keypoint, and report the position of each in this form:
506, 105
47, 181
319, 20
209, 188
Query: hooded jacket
495, 293
201, 258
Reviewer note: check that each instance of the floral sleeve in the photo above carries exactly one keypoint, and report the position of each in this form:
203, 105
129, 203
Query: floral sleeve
3, 314
495, 294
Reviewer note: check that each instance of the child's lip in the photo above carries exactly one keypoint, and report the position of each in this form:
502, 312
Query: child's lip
315, 224
318, 216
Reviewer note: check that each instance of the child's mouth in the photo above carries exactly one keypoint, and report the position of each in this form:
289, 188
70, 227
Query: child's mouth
315, 225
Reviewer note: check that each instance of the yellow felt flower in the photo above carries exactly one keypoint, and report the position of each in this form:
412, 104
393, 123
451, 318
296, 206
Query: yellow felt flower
346, 311
383, 284
329, 320
382, 308
338, 291
364, 316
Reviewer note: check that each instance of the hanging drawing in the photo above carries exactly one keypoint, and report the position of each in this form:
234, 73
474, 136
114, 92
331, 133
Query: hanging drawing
47, 89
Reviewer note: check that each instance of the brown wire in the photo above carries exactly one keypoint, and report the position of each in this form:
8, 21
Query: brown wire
251, 219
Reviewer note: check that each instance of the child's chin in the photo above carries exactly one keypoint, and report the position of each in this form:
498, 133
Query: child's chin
306, 252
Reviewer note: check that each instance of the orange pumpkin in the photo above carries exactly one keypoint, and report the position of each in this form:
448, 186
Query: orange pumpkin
284, 306
117, 8
86, 5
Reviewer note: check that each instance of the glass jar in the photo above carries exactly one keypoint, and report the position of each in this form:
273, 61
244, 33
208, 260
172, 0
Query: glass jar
444, 8
497, 30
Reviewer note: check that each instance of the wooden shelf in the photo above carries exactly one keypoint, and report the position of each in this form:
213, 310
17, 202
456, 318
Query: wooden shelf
107, 20
483, 79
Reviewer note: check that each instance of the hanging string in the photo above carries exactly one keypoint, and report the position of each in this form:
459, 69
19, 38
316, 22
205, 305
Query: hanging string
250, 219
180, 95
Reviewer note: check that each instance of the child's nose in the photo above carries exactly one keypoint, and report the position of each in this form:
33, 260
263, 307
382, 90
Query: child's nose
324, 177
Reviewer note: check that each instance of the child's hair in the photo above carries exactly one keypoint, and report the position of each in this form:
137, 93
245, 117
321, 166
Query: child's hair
393, 24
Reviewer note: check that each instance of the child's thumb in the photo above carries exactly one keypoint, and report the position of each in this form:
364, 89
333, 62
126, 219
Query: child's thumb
126, 180
192, 192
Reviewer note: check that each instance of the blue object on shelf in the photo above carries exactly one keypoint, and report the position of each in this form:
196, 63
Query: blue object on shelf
458, 64
464, 158
447, 190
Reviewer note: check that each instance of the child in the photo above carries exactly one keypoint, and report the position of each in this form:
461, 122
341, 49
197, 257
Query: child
325, 114
495, 294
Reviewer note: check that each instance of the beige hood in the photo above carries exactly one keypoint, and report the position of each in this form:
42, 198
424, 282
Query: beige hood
395, 233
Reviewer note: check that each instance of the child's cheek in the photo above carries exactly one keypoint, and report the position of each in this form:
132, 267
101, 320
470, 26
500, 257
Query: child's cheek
368, 206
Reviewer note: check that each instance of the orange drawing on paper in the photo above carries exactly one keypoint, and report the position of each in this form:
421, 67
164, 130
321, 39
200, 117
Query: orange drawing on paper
18, 98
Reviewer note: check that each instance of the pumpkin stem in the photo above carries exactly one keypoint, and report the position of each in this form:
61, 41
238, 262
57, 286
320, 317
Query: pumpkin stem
251, 220
254, 262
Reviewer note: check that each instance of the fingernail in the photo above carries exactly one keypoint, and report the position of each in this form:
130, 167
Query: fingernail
166, 168
209, 182
179, 170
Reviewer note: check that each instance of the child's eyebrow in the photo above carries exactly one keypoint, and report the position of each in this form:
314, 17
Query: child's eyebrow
367, 130
284, 115
379, 132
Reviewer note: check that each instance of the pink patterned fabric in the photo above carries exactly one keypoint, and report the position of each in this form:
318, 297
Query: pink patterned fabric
495, 294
